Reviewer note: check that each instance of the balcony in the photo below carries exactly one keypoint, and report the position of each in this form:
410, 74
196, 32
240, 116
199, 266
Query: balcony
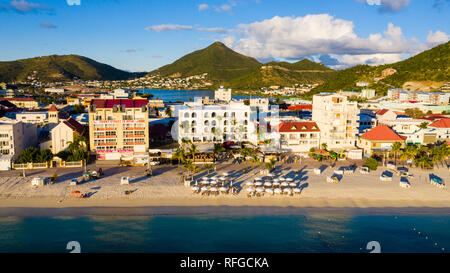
106, 144
106, 137
134, 129
134, 143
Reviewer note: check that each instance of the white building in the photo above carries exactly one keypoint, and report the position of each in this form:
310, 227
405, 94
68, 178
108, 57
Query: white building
54, 90
38, 118
299, 136
337, 119
222, 94
215, 123
120, 94
63, 134
14, 137
368, 93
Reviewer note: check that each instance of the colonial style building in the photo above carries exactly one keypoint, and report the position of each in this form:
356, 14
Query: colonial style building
299, 136
216, 123
379, 139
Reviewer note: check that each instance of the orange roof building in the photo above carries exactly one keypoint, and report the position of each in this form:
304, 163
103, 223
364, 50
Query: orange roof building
442, 123
380, 138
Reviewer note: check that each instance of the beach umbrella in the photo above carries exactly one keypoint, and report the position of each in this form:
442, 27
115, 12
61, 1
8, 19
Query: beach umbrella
260, 189
205, 182
258, 178
249, 184
213, 189
282, 179
278, 191
223, 189
268, 184
212, 183
296, 190
214, 177
250, 189
75, 192
289, 179
195, 188
269, 191
276, 180
284, 184
292, 184
225, 174
270, 175
276, 183
204, 188
287, 190
258, 184
205, 178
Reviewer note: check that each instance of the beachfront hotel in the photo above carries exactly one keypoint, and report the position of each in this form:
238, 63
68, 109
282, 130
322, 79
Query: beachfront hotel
216, 123
299, 136
118, 129
337, 118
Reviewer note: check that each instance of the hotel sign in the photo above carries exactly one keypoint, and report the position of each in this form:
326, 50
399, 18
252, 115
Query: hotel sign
117, 121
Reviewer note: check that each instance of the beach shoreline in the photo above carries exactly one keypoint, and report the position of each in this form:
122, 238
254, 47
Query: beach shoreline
51, 207
164, 193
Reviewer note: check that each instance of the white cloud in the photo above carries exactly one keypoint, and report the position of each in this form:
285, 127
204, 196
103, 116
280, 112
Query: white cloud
22, 6
74, 2
170, 27
203, 7
47, 25
225, 7
436, 38
299, 37
388, 5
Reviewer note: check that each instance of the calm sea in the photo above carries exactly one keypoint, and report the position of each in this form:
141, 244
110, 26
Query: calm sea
317, 232
183, 95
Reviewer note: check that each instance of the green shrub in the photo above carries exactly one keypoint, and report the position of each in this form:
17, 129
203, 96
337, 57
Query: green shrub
371, 163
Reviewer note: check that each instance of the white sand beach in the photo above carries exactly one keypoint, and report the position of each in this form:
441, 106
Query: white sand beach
164, 189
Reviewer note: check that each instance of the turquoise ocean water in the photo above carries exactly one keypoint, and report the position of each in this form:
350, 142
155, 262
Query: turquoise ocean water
317, 232
183, 95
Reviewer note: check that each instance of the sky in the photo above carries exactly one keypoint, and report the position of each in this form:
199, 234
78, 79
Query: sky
142, 35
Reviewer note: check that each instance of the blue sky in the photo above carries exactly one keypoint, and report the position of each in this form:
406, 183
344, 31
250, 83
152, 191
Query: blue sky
141, 35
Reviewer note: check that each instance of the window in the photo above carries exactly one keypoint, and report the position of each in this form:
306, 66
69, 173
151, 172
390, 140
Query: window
186, 115
98, 117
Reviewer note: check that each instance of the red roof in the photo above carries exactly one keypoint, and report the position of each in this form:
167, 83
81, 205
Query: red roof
300, 107
442, 123
75, 125
383, 132
382, 112
18, 99
287, 127
53, 108
129, 103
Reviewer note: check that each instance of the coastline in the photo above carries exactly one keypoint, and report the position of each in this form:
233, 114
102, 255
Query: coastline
50, 207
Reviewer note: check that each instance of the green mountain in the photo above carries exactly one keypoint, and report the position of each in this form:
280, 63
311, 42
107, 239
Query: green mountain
221, 63
425, 71
59, 68
231, 69
283, 74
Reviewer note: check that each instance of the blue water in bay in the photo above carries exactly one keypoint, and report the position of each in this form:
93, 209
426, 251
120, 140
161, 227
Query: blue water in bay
183, 95
284, 233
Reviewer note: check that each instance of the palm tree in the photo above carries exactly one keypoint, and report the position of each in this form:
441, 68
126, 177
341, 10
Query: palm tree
193, 150
410, 152
168, 112
271, 164
324, 146
218, 148
423, 125
180, 155
396, 146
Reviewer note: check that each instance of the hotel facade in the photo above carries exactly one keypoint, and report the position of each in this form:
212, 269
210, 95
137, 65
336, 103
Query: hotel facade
118, 129
338, 120
216, 123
